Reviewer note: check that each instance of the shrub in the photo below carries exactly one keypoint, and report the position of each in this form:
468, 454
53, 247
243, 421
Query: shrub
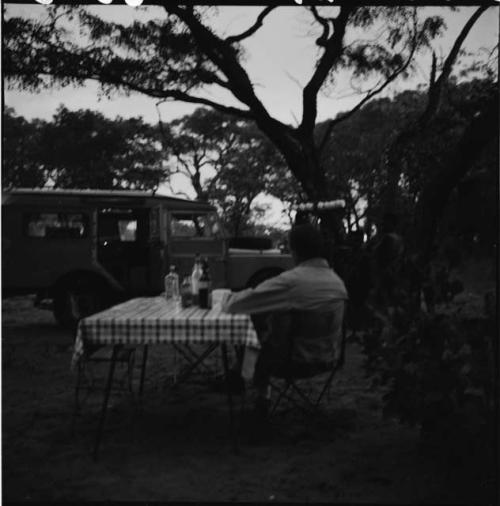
437, 369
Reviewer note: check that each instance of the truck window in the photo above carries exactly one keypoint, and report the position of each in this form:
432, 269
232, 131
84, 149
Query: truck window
185, 225
56, 225
117, 226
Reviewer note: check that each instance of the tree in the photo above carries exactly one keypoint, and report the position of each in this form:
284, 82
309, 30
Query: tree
21, 151
86, 150
478, 133
355, 150
228, 161
247, 172
173, 58
200, 145
81, 149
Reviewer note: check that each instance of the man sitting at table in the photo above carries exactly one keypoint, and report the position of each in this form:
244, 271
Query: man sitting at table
310, 285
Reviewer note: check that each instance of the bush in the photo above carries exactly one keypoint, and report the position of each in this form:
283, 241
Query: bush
437, 369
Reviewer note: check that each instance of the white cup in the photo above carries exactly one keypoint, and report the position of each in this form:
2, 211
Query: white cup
219, 296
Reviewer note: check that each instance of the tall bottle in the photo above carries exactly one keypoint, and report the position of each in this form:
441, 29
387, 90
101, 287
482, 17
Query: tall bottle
195, 277
172, 284
204, 286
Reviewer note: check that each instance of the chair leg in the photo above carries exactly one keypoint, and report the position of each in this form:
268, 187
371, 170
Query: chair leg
327, 384
282, 393
303, 396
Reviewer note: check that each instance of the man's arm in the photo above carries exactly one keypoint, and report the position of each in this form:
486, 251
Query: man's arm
270, 295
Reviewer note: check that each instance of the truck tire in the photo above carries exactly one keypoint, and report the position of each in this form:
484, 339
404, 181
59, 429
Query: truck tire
78, 297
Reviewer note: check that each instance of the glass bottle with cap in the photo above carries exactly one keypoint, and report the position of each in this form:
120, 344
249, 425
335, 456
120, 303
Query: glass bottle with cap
195, 277
172, 284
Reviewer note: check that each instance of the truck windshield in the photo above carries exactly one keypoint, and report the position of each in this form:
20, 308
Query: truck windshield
195, 225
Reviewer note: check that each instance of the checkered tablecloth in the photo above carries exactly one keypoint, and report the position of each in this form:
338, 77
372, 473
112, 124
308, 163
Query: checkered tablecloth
153, 320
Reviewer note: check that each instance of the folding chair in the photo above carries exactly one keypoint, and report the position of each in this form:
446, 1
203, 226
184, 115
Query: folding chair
306, 330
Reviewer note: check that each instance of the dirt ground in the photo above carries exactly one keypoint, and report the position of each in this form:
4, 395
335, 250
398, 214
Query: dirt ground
176, 445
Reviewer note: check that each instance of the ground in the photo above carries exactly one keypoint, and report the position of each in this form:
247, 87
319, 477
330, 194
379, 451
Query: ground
176, 446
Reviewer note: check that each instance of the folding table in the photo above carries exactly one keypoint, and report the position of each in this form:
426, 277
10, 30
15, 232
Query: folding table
153, 320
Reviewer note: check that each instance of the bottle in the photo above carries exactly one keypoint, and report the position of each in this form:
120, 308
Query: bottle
172, 284
204, 286
186, 292
195, 277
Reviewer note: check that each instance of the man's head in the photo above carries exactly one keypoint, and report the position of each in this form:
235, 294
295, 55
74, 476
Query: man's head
305, 242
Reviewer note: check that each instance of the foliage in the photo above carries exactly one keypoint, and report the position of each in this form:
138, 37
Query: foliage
355, 151
81, 149
430, 151
21, 151
249, 170
436, 366
175, 57
197, 144
228, 161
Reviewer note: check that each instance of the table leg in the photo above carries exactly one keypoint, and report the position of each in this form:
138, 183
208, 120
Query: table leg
143, 368
107, 391
229, 396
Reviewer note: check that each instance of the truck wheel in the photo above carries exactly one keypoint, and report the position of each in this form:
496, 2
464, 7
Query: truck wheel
77, 298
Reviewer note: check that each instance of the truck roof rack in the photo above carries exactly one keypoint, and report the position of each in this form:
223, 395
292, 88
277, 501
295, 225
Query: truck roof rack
88, 192
320, 206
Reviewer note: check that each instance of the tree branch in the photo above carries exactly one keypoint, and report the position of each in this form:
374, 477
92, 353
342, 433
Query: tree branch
333, 51
175, 95
323, 38
258, 23
436, 87
225, 58
369, 95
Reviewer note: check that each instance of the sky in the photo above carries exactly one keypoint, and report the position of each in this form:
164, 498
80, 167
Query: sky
280, 58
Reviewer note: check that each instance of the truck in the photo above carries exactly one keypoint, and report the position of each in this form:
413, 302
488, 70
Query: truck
80, 251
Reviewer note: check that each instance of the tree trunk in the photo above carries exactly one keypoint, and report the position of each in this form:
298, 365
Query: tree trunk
435, 194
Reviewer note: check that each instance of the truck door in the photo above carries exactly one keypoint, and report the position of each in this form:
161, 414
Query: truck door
41, 243
197, 232
123, 246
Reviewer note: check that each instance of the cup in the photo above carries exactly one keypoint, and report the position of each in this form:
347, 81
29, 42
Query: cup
219, 296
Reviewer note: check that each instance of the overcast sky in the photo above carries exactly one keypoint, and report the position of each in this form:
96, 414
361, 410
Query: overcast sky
280, 59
